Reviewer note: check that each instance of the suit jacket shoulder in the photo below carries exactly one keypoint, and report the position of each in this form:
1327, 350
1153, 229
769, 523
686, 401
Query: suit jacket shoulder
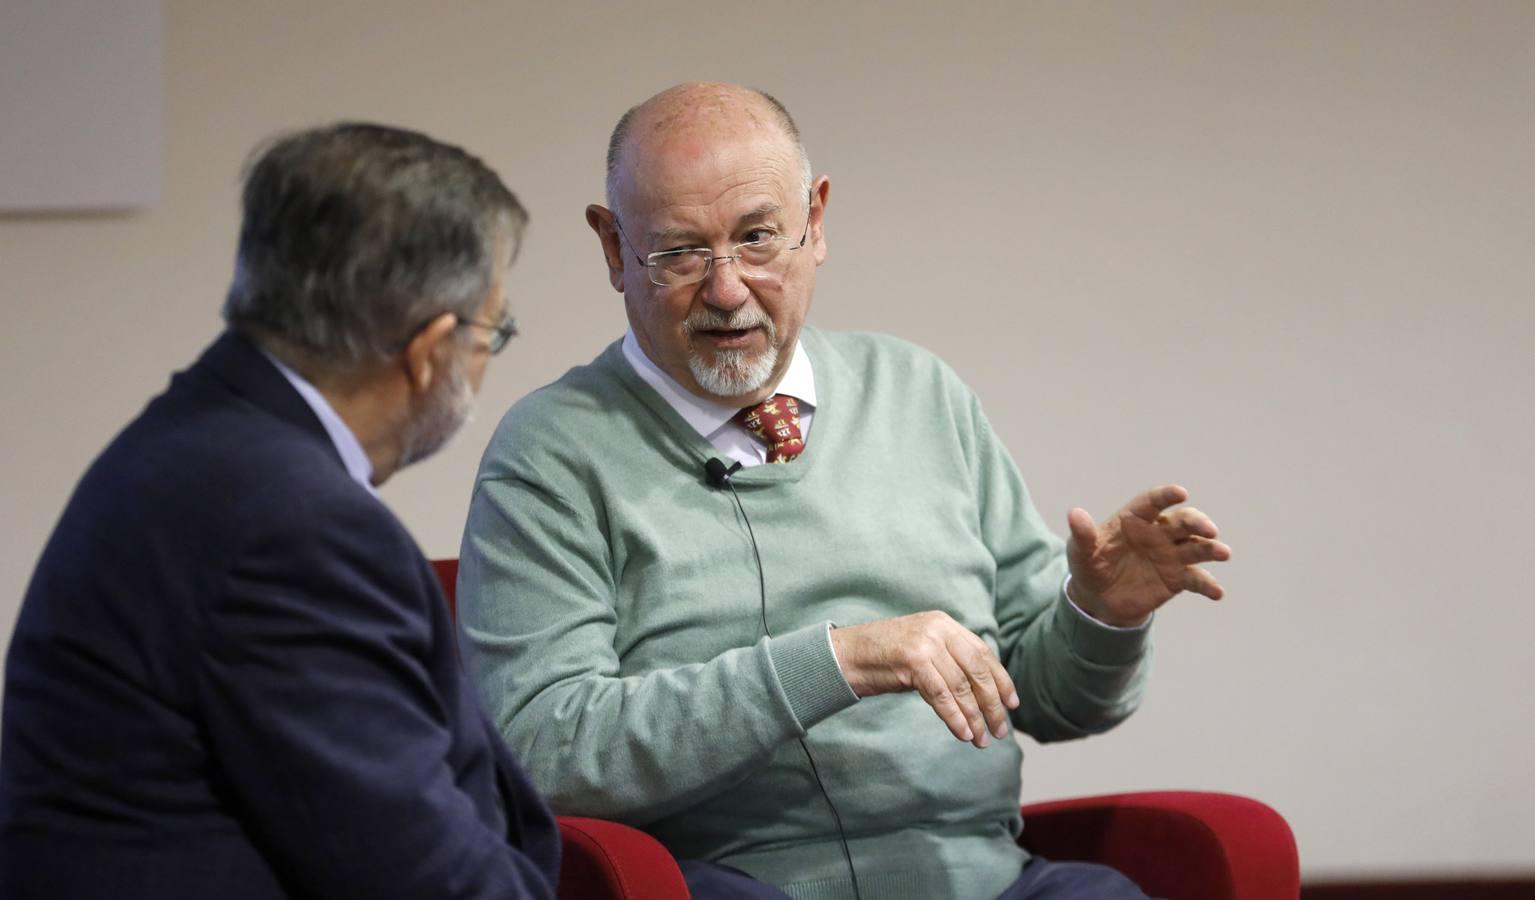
270, 661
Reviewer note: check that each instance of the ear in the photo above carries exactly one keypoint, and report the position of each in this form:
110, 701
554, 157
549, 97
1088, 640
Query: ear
601, 219
428, 350
820, 193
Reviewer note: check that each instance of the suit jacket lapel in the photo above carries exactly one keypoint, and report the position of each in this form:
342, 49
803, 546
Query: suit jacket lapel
240, 366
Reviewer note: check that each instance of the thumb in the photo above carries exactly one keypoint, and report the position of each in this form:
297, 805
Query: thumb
1084, 531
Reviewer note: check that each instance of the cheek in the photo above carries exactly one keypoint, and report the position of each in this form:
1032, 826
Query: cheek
477, 372
791, 302
659, 318
667, 314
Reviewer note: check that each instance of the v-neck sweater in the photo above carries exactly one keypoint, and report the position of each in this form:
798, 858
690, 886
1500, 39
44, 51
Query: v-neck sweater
615, 623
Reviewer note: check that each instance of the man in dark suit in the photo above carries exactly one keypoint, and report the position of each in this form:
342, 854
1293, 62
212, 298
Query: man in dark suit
234, 674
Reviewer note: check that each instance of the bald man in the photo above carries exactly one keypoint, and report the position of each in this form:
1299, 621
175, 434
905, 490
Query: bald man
777, 595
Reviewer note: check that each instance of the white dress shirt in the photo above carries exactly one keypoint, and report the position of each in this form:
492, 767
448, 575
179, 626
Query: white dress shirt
711, 418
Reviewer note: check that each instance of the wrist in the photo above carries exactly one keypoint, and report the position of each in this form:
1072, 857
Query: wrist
1094, 607
842, 651
857, 658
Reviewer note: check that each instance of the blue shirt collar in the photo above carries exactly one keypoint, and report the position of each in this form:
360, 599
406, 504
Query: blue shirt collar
347, 445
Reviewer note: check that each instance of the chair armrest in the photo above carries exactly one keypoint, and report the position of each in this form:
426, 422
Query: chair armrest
604, 860
1173, 844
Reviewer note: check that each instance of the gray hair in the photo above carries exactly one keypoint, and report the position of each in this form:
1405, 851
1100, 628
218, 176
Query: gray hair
356, 235
780, 113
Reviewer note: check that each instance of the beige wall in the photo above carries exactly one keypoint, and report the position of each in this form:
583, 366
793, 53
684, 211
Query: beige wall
1282, 253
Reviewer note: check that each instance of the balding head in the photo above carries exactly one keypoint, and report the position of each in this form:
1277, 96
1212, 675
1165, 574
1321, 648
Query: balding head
713, 232
697, 111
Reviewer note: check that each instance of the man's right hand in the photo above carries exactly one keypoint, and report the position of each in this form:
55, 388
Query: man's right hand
930, 653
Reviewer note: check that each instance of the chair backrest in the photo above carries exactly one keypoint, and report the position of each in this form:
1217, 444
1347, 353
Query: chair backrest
447, 574
601, 860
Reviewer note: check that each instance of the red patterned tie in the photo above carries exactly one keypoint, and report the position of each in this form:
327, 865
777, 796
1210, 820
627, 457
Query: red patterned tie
775, 421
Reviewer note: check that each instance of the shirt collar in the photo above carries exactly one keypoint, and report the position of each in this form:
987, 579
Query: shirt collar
347, 445
709, 416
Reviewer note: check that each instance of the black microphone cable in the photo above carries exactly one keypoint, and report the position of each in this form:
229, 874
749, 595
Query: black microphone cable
719, 476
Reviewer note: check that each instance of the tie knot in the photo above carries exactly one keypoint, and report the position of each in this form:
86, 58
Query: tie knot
775, 422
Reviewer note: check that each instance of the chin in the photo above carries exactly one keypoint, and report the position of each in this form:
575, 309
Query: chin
733, 373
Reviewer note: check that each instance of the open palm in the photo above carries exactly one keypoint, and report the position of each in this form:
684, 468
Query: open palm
1142, 556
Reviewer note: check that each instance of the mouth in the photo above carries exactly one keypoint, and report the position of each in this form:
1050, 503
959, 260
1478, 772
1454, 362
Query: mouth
728, 338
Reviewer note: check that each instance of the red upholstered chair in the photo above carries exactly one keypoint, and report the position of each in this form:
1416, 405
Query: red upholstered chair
1181, 845
1178, 845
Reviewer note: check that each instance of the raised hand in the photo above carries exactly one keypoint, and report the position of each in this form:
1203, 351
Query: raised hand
930, 653
1141, 557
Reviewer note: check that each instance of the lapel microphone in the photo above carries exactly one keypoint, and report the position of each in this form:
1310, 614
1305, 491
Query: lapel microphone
717, 474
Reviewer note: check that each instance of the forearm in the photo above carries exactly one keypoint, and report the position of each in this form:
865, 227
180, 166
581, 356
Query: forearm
637, 748
1075, 677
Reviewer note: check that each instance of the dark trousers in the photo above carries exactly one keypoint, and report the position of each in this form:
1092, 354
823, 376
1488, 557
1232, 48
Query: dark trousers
1041, 880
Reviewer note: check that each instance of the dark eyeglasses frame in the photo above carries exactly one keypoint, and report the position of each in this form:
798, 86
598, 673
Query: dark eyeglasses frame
501, 332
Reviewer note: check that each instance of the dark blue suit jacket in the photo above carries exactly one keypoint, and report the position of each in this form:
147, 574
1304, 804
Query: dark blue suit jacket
234, 676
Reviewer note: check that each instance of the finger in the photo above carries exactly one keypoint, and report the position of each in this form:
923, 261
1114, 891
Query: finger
1005, 685
1150, 539
1188, 522
1199, 550
1149, 505
1084, 531
1006, 690
934, 689
1199, 581
1008, 694
964, 691
983, 671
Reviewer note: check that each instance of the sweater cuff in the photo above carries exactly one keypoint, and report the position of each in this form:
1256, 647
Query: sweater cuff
809, 675
1095, 642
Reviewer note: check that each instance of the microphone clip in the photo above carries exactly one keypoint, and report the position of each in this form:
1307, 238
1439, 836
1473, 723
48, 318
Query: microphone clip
717, 474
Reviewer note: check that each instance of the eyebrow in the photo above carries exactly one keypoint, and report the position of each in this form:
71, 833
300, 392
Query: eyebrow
678, 235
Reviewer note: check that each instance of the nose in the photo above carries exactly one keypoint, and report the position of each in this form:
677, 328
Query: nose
724, 288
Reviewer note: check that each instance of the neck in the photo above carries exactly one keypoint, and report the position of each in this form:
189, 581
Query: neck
373, 408
370, 399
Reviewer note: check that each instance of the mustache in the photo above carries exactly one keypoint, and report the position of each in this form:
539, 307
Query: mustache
735, 320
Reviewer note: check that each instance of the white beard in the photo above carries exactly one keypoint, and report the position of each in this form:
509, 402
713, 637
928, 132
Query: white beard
444, 412
732, 372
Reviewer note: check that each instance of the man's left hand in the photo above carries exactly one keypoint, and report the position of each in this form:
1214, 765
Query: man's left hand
1143, 556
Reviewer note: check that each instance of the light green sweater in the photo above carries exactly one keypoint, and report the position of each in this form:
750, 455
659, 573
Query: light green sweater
609, 601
